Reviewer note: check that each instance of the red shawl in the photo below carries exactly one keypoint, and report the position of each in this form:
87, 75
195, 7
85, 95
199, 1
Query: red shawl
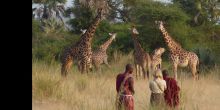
172, 92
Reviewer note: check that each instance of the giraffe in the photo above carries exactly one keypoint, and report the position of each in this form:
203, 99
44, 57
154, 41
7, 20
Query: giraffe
83, 31
156, 60
141, 58
179, 56
100, 56
81, 51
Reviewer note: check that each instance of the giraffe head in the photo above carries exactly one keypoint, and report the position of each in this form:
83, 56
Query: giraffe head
113, 35
159, 51
134, 30
100, 12
83, 31
159, 24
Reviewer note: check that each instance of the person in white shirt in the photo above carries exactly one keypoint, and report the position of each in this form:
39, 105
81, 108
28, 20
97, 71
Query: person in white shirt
157, 87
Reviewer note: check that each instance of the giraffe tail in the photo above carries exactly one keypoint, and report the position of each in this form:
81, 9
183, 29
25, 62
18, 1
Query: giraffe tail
67, 62
148, 60
63, 70
198, 68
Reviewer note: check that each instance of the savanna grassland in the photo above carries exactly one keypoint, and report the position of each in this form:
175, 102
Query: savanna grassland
194, 24
96, 90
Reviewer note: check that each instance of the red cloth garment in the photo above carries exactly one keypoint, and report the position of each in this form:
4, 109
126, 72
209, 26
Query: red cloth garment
172, 92
126, 100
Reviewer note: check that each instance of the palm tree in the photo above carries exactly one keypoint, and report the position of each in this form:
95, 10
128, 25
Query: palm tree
48, 8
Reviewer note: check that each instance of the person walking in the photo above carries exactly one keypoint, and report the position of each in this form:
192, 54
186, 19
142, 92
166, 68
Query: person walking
172, 92
157, 87
125, 89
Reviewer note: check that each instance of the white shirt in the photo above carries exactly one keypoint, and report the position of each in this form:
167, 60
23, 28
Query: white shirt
154, 85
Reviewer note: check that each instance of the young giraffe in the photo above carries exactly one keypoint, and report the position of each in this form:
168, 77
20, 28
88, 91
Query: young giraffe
100, 56
81, 51
156, 60
179, 56
141, 58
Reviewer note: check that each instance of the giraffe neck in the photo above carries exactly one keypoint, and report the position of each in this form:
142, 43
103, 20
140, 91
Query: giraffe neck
88, 35
105, 45
156, 56
172, 45
137, 45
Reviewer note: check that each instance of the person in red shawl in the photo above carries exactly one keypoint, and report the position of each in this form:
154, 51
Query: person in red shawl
125, 89
172, 92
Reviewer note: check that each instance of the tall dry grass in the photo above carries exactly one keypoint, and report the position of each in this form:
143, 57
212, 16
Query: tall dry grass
96, 90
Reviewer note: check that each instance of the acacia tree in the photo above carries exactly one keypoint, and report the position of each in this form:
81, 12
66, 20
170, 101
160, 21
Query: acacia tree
201, 10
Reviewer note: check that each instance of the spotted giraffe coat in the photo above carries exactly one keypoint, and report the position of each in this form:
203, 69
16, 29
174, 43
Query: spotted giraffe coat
156, 60
141, 58
179, 56
81, 51
100, 56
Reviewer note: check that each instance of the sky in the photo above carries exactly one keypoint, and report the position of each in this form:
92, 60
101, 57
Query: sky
70, 3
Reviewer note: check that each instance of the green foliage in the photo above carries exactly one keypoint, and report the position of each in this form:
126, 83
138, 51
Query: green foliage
122, 42
201, 11
83, 16
49, 44
52, 26
35, 28
206, 58
49, 47
146, 13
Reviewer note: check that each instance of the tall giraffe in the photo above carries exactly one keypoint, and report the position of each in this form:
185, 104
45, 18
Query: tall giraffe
179, 56
156, 60
100, 56
141, 58
82, 50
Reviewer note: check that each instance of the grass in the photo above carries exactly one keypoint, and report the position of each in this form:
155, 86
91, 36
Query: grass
96, 90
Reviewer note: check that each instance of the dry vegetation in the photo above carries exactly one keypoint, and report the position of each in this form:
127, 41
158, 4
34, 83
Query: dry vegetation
96, 91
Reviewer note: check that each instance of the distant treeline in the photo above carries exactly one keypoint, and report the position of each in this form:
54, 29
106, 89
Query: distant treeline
193, 24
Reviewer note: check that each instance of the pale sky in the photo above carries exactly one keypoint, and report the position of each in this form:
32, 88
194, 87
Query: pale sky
70, 3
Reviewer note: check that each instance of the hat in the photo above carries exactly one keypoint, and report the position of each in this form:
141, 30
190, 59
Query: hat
158, 73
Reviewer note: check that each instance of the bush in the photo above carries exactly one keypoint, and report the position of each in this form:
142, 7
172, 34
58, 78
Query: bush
49, 47
206, 58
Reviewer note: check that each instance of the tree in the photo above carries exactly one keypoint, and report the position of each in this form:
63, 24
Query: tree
50, 13
83, 16
48, 8
201, 10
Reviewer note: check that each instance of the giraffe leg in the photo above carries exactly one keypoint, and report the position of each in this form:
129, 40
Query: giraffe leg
159, 66
148, 69
66, 67
83, 66
144, 73
194, 71
96, 66
67, 61
175, 71
89, 63
79, 65
136, 69
98, 69
139, 71
106, 62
